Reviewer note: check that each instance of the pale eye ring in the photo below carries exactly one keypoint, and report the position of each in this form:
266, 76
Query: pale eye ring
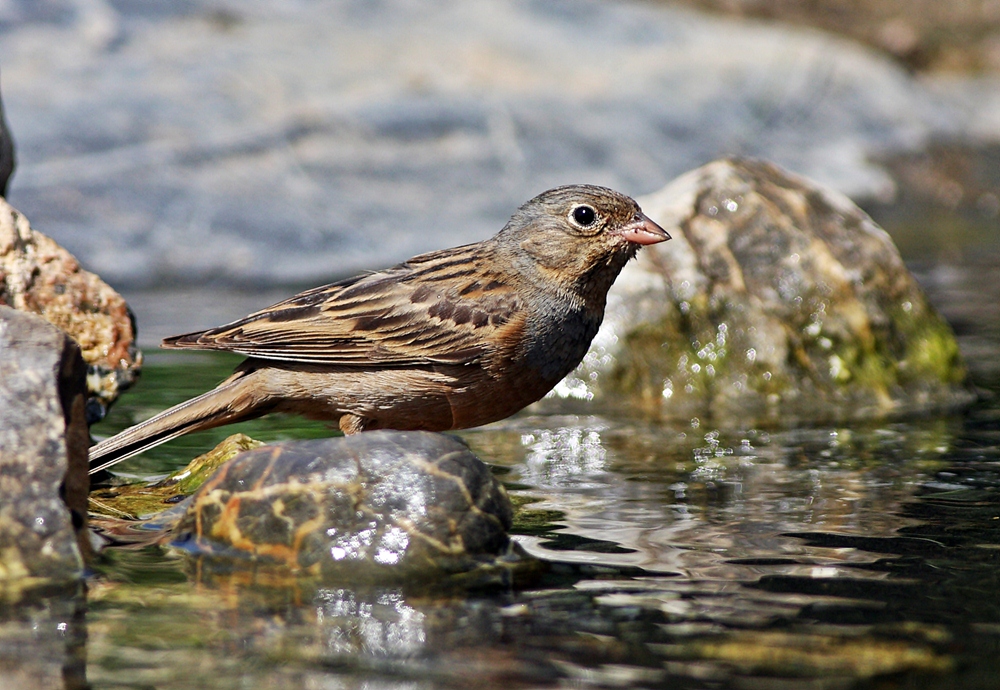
584, 215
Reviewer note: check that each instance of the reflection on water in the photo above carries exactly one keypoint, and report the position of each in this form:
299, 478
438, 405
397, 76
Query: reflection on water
564, 456
384, 625
680, 557
707, 504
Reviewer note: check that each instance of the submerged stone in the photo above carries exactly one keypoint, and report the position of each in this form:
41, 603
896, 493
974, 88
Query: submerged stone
827, 654
777, 301
39, 276
378, 506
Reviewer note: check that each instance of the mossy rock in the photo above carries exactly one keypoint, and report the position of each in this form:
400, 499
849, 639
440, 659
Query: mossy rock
776, 302
378, 507
137, 501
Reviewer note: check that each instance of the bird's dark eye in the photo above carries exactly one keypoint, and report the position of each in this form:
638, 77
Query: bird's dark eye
584, 215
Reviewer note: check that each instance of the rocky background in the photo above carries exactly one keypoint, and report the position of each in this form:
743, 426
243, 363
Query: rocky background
924, 35
196, 153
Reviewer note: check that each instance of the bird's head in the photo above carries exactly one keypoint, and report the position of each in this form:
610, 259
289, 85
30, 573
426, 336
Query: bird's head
580, 235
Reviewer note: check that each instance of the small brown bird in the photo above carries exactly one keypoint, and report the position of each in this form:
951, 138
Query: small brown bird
447, 340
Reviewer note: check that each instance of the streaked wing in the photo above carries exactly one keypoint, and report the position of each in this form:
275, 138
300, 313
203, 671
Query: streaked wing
438, 308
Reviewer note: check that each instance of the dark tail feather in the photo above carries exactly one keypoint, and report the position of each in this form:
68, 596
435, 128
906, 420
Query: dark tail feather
227, 403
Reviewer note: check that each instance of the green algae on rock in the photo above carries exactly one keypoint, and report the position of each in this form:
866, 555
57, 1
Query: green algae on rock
782, 654
380, 506
376, 508
777, 302
375, 498
137, 501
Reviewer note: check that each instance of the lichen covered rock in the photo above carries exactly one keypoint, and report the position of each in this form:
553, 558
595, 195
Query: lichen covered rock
39, 276
776, 302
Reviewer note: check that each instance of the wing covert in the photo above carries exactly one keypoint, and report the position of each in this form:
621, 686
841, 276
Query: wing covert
438, 308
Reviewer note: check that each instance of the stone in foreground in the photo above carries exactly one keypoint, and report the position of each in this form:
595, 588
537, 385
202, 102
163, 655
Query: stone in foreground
43, 452
39, 276
777, 302
379, 506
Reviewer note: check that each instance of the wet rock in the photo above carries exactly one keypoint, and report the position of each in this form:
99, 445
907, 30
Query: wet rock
378, 506
39, 276
7, 158
777, 301
43, 451
43, 638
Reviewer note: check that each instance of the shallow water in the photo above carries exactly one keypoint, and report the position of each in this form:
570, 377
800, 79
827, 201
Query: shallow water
828, 557
687, 557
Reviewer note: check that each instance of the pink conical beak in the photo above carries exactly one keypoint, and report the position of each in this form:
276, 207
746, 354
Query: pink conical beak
644, 231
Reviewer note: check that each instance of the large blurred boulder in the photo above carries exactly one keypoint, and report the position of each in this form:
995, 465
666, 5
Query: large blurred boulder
777, 301
43, 451
39, 276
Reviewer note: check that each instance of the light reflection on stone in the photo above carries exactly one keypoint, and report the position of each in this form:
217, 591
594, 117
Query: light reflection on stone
353, 546
382, 624
392, 546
